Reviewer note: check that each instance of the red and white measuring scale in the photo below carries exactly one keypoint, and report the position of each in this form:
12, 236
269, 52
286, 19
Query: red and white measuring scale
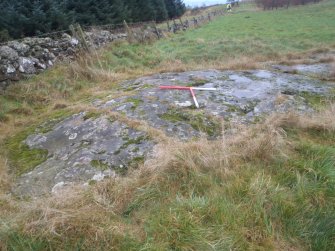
189, 89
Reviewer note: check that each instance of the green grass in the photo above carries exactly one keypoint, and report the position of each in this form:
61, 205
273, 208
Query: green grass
21, 243
99, 164
135, 101
252, 34
291, 199
198, 120
91, 115
246, 33
285, 202
22, 159
318, 101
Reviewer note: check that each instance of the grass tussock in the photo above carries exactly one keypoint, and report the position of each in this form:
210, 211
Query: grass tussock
5, 179
88, 67
332, 72
322, 121
248, 190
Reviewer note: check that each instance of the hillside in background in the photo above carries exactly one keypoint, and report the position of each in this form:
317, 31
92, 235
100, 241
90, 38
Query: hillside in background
22, 18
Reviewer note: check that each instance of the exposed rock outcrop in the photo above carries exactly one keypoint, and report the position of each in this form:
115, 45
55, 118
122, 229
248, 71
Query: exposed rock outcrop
86, 147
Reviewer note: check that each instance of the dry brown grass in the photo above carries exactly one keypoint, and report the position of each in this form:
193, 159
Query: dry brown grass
94, 212
321, 121
71, 214
259, 142
22, 111
243, 63
332, 72
280, 99
5, 179
72, 210
314, 56
84, 68
222, 157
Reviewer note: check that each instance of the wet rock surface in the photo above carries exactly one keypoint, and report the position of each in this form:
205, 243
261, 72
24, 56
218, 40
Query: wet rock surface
88, 147
240, 97
83, 149
314, 70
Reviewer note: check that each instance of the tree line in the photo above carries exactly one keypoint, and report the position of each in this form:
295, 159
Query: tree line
21, 18
271, 4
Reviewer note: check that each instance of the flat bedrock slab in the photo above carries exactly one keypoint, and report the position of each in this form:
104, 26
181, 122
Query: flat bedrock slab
82, 150
87, 147
240, 97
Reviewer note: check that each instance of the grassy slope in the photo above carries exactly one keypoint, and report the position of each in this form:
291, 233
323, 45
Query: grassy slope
270, 187
257, 35
235, 41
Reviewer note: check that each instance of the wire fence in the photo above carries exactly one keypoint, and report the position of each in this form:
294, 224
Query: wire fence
172, 25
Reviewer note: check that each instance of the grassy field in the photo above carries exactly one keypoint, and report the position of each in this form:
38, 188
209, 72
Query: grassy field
269, 187
241, 40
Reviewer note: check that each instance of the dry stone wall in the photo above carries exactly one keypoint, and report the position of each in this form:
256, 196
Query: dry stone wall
29, 56
34, 55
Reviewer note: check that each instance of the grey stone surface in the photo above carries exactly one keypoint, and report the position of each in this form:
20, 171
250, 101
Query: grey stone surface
314, 70
21, 48
8, 53
64, 47
87, 147
27, 65
19, 59
240, 96
82, 149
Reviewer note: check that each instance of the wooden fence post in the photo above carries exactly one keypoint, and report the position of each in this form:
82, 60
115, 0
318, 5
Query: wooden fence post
168, 25
130, 33
79, 34
195, 22
73, 31
175, 27
181, 22
156, 30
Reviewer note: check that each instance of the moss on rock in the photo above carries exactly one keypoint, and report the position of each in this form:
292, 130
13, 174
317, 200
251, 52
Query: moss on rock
22, 159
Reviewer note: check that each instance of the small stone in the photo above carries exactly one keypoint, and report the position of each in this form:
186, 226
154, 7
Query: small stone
110, 102
74, 42
27, 65
98, 177
73, 136
56, 188
184, 104
41, 66
21, 48
8, 53
66, 36
10, 69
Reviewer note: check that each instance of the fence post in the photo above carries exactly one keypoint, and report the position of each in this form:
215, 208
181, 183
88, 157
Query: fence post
73, 31
175, 27
168, 25
181, 22
79, 34
195, 21
156, 30
187, 25
130, 34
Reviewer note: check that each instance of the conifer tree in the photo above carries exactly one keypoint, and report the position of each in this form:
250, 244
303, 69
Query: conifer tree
21, 18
